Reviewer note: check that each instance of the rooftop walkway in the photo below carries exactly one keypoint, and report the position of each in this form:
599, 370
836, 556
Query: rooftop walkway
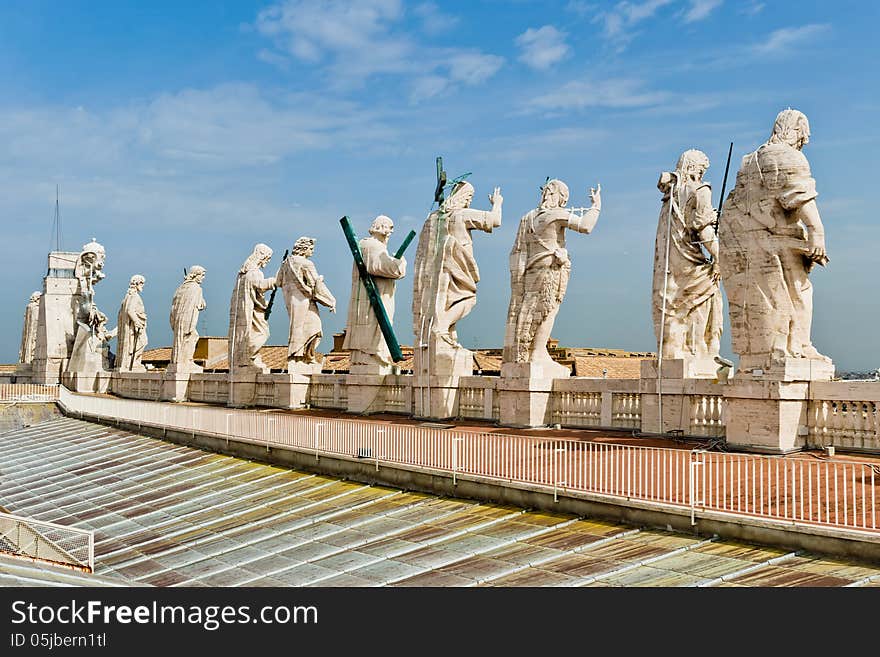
170, 515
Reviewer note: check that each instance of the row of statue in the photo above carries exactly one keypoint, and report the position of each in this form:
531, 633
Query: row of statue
763, 249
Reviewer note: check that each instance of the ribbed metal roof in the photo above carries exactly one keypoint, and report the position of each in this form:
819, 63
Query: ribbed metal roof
168, 515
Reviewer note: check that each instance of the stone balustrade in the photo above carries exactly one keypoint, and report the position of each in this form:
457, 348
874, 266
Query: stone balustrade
840, 413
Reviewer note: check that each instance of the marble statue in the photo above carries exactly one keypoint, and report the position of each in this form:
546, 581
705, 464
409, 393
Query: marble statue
187, 303
131, 327
248, 328
363, 337
686, 280
539, 271
770, 238
90, 352
303, 290
29, 329
446, 272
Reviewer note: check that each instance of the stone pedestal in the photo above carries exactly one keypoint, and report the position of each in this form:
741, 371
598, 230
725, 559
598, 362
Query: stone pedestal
366, 393
175, 386
79, 382
766, 409
243, 386
23, 373
292, 387
681, 368
524, 393
438, 367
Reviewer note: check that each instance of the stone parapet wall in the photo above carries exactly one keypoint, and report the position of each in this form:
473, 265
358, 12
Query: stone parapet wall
839, 413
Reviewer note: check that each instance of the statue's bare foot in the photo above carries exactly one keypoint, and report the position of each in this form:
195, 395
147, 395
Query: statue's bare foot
810, 351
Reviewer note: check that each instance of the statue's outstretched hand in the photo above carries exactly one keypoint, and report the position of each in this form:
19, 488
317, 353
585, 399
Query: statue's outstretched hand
596, 195
495, 197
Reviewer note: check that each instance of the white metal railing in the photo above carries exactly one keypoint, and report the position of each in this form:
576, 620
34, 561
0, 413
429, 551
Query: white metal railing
27, 392
831, 493
47, 541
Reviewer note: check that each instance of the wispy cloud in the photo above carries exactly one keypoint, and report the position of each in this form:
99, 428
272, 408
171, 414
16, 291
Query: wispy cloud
700, 9
433, 20
524, 147
541, 48
355, 41
790, 37
457, 68
619, 23
580, 94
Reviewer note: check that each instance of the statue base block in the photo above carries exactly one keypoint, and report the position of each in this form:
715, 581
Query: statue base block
755, 368
524, 392
436, 397
243, 387
23, 373
97, 382
681, 368
291, 388
438, 367
766, 416
366, 393
175, 386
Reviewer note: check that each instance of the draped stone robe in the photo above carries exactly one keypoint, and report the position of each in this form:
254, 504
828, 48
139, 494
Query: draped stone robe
303, 290
693, 307
248, 328
131, 340
186, 304
363, 337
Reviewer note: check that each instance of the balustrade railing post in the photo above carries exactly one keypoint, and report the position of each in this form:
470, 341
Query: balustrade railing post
695, 462
317, 426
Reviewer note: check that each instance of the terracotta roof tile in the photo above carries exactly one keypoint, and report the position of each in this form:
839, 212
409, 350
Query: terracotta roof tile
618, 367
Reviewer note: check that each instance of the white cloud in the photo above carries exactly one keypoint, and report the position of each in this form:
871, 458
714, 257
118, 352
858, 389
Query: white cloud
433, 20
354, 41
312, 28
615, 93
789, 37
473, 67
519, 148
700, 9
619, 22
543, 47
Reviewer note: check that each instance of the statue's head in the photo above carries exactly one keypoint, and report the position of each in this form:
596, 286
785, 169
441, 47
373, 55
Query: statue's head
791, 127
461, 196
93, 254
381, 227
693, 163
137, 282
554, 194
36, 297
196, 273
304, 246
260, 257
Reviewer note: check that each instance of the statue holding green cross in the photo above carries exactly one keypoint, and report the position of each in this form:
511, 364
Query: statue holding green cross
369, 336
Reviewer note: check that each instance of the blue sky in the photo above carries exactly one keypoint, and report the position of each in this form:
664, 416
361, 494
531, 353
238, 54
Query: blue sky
184, 133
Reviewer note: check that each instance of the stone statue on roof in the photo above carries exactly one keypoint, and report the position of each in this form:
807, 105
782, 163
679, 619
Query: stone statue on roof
131, 327
90, 353
248, 328
539, 272
29, 329
363, 337
187, 303
303, 290
687, 304
770, 238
